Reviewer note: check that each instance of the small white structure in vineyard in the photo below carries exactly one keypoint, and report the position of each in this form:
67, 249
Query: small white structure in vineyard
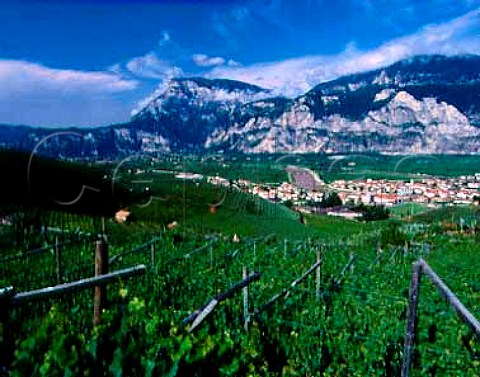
122, 216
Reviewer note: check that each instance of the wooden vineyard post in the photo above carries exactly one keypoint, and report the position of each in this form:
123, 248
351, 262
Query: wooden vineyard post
152, 253
318, 276
101, 268
58, 260
246, 314
285, 247
409, 345
452, 299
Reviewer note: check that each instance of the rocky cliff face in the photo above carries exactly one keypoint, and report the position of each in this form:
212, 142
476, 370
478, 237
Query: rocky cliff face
189, 109
427, 104
403, 124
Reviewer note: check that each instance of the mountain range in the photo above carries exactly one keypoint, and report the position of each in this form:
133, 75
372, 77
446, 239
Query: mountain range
425, 104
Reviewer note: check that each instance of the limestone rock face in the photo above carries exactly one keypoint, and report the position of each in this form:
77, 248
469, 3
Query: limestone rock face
426, 104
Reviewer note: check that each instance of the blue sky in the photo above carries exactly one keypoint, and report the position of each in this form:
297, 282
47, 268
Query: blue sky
65, 63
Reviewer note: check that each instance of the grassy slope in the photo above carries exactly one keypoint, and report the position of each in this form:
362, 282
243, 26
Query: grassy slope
408, 209
449, 214
188, 204
260, 170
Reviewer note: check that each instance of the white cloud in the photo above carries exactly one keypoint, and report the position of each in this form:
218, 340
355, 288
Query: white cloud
154, 65
38, 95
150, 66
288, 77
165, 39
233, 63
203, 60
19, 75
294, 76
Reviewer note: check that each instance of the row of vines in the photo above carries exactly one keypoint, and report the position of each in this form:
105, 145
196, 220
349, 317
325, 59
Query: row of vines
354, 327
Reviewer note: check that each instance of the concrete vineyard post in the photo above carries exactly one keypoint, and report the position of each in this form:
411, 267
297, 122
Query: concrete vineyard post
287, 291
203, 312
318, 276
69, 288
152, 253
58, 260
246, 314
101, 268
211, 257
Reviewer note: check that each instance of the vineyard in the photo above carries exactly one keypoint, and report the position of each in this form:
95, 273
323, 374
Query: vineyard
346, 320
246, 290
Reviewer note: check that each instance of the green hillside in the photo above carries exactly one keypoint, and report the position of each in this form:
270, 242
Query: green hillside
337, 322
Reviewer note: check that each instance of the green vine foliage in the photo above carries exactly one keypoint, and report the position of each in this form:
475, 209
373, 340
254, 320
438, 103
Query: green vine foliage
353, 326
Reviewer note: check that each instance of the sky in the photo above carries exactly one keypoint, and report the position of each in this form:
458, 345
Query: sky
91, 63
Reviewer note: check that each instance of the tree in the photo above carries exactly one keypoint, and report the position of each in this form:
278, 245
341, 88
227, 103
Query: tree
373, 213
331, 200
